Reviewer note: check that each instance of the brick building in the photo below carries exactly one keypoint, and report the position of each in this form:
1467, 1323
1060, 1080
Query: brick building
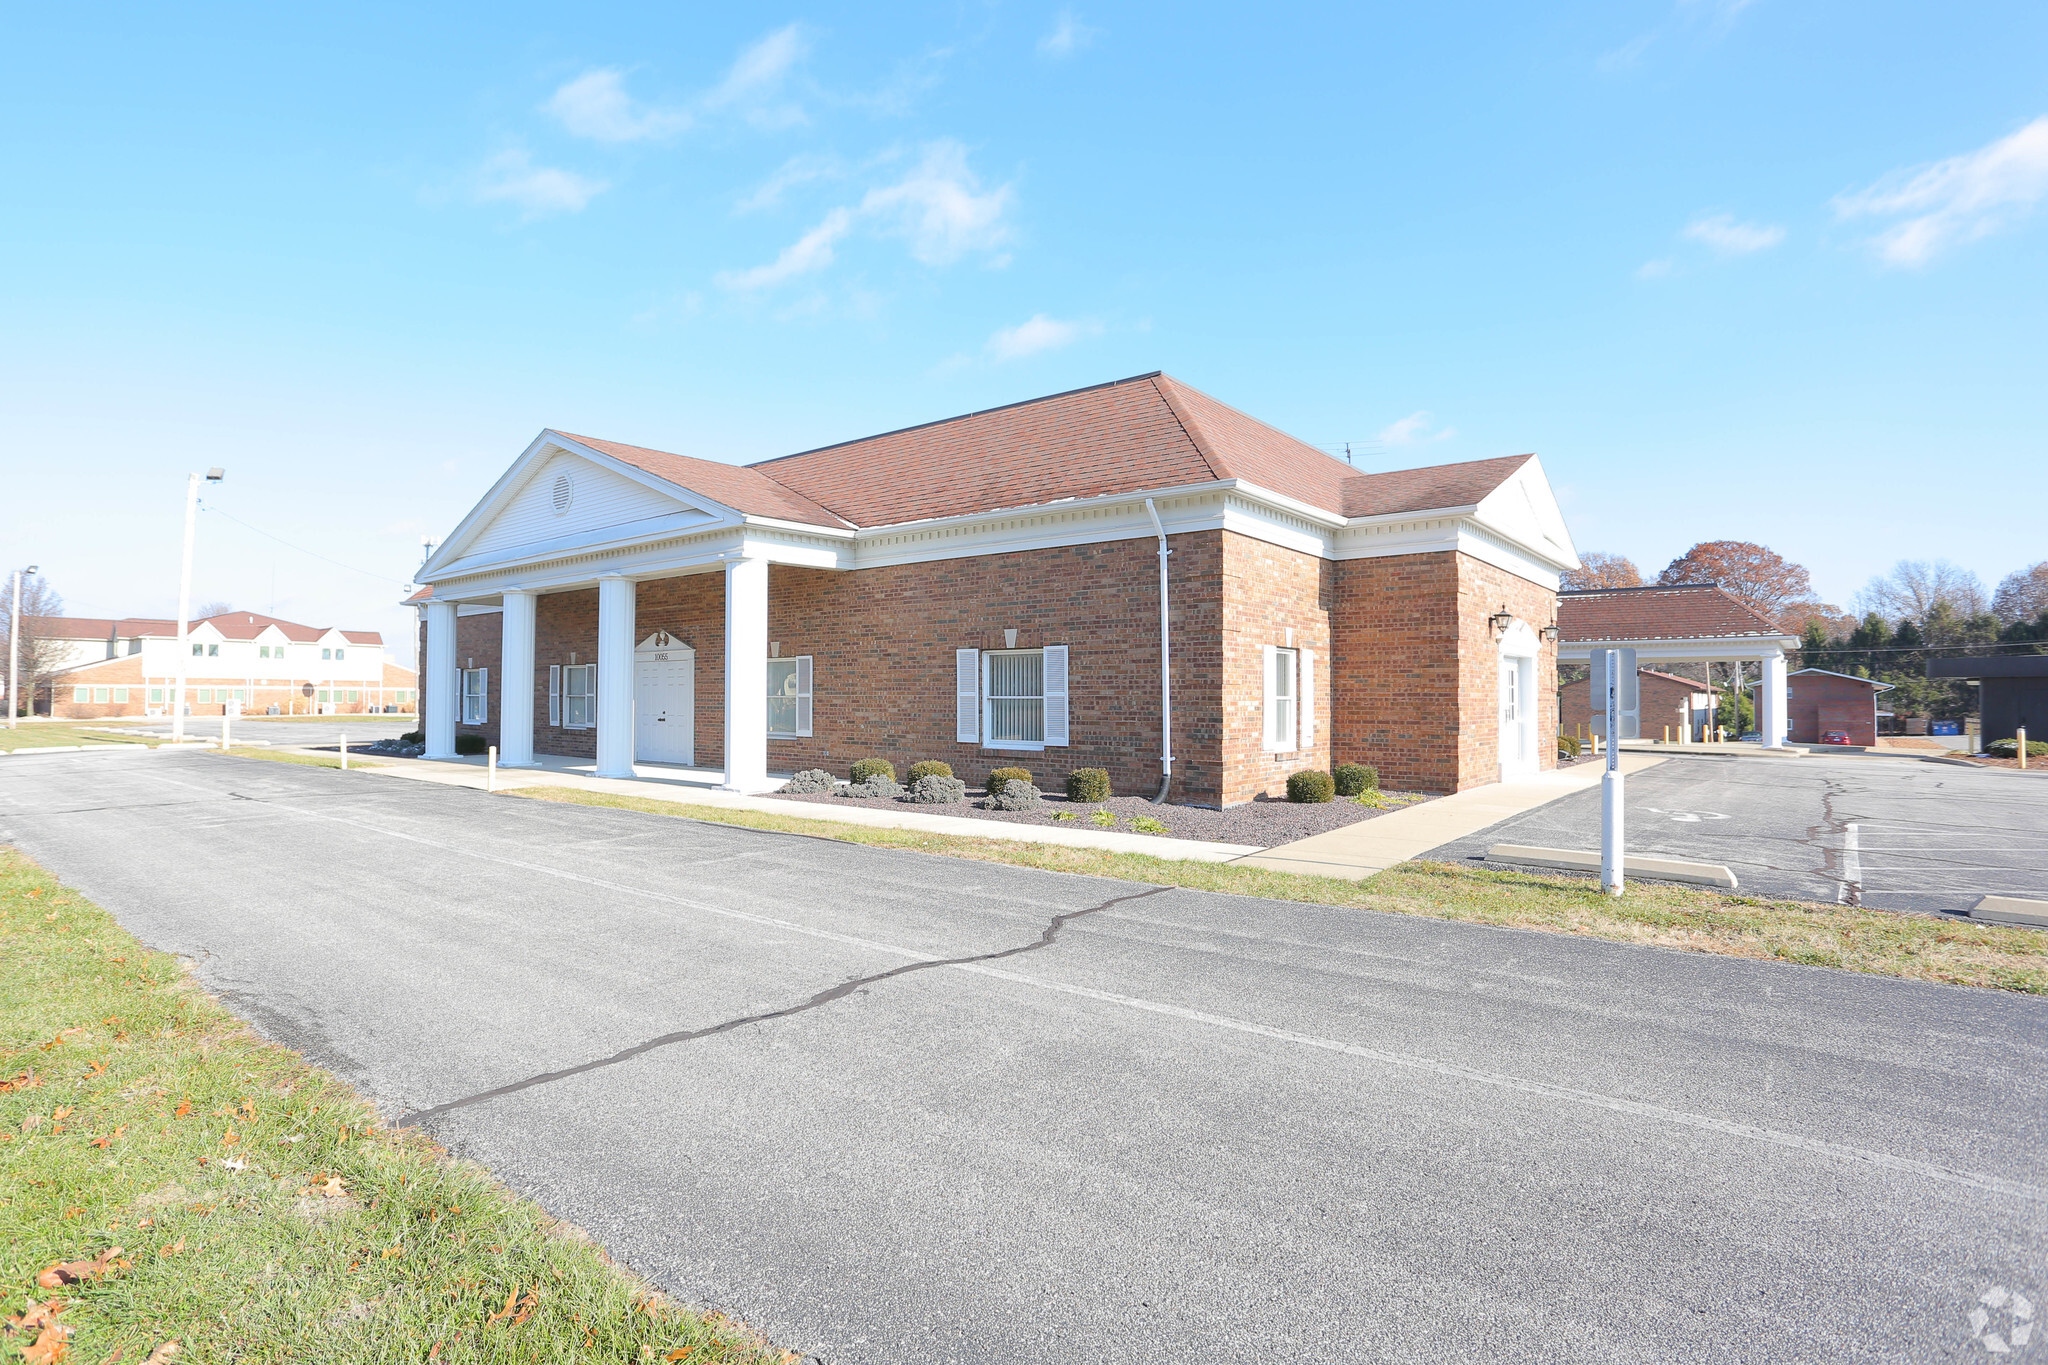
1819, 702
986, 590
129, 667
1683, 707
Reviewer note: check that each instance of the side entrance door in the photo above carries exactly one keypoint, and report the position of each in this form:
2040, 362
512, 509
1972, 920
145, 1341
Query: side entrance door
664, 700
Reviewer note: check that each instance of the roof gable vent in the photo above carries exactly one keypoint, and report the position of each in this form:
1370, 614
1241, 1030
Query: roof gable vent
564, 495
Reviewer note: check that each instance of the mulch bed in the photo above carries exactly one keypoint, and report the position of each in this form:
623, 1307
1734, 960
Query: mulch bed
1263, 823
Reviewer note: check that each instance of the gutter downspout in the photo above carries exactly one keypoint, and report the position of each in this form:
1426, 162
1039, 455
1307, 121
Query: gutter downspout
1165, 664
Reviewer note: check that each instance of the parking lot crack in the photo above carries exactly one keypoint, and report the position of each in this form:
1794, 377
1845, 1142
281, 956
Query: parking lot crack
1047, 936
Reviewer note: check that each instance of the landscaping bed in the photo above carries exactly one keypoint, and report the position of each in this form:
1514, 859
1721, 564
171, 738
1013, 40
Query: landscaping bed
1262, 823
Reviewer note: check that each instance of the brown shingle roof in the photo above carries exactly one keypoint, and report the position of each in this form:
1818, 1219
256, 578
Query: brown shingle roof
1687, 611
739, 487
97, 627
1149, 431
233, 625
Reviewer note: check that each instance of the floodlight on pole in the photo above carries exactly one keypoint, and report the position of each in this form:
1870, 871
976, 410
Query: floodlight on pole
14, 651
213, 475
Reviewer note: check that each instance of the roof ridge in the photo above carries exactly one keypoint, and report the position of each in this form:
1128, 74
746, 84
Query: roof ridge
942, 421
1350, 470
1163, 384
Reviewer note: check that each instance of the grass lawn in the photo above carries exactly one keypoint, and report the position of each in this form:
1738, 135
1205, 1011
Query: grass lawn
1698, 920
43, 735
305, 760
197, 1185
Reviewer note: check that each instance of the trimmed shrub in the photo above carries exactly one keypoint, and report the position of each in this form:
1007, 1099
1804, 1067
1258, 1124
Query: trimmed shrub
1016, 795
937, 789
1355, 779
865, 768
472, 745
1088, 784
413, 737
1311, 787
877, 785
809, 781
931, 767
1002, 776
2010, 748
1568, 746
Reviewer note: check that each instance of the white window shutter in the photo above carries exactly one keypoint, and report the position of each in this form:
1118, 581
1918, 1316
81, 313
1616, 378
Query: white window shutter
483, 696
1269, 720
555, 694
1306, 689
1055, 695
803, 694
967, 696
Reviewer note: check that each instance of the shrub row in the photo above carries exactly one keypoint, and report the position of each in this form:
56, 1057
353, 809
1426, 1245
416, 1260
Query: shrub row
1347, 779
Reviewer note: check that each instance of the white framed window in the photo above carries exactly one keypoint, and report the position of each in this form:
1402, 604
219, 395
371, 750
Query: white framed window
579, 697
789, 697
205, 696
1024, 698
80, 695
476, 696
1282, 698
326, 653
198, 650
156, 696
121, 695
102, 694
339, 652
213, 651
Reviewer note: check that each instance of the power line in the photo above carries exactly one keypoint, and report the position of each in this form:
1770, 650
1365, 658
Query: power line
302, 549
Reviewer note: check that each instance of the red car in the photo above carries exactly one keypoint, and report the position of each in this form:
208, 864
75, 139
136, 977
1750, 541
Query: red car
1834, 736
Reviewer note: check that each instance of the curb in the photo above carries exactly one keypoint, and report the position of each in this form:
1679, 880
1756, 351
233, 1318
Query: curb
1632, 864
2011, 910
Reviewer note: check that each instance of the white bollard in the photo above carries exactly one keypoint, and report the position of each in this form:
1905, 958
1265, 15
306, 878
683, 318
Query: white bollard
491, 768
344, 751
1610, 784
2021, 747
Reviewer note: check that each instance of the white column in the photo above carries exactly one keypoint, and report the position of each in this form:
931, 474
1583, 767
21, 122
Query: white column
616, 597
515, 685
438, 698
746, 675
1771, 698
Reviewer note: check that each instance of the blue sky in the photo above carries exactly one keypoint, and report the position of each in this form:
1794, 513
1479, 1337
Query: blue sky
1765, 270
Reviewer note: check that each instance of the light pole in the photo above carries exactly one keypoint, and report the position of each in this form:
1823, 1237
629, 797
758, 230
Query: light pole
14, 652
213, 475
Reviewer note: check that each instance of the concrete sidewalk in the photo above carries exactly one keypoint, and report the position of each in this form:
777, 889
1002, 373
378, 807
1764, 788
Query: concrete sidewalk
697, 787
1358, 851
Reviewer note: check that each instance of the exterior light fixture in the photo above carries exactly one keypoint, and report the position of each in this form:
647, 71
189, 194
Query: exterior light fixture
1550, 635
1501, 620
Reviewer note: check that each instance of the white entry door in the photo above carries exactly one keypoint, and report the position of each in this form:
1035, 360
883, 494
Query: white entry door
1517, 716
664, 705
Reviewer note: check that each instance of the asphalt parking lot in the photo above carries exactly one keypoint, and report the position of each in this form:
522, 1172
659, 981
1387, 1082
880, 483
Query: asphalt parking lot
1895, 834
302, 730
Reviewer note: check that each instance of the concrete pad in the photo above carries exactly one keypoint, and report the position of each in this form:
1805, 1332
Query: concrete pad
2012, 910
687, 791
1632, 864
1358, 851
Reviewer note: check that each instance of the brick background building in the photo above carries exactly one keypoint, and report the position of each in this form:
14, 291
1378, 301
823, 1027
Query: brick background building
1318, 614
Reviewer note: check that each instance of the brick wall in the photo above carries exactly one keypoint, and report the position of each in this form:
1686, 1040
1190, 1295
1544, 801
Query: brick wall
1418, 668
1660, 697
1269, 591
55, 694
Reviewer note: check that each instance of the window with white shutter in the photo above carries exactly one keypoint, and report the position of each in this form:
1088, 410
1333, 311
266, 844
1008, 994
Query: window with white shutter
789, 697
967, 696
1281, 698
476, 696
579, 697
554, 694
1024, 698
1056, 696
1308, 699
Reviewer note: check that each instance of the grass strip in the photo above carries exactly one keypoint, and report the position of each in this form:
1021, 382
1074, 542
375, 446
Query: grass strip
1696, 919
41, 736
212, 1189
303, 760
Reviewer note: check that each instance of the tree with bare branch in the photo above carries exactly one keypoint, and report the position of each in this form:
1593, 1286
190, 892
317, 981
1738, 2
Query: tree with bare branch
1916, 587
2022, 595
39, 655
1597, 570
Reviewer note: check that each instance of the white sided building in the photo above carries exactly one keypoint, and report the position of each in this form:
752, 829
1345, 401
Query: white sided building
272, 667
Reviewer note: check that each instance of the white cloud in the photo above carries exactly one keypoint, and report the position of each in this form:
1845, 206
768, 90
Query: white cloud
1730, 238
511, 177
799, 170
1654, 270
758, 74
1035, 334
812, 251
1958, 200
1414, 429
1069, 35
595, 105
939, 206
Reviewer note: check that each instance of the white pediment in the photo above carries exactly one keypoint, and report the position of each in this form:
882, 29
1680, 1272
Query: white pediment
1523, 509
555, 500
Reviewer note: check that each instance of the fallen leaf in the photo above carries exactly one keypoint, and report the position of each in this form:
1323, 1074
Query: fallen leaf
48, 1347
102, 1141
173, 1249
435, 1353
511, 1301
184, 1110
72, 1212
95, 1068
234, 1163
71, 1272
390, 1252
64, 1111
162, 1354
232, 1137
679, 1353
27, 1080
248, 1107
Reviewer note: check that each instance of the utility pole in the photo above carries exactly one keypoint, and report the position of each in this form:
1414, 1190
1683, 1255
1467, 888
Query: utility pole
213, 475
14, 654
